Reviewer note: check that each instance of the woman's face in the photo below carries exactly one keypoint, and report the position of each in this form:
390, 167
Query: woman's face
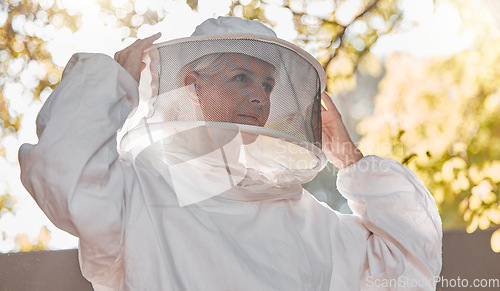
238, 93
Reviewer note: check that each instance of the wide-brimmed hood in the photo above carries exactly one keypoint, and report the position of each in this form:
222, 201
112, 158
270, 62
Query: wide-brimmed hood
231, 105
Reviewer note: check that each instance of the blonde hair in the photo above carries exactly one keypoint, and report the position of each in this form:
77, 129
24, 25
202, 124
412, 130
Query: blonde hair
207, 66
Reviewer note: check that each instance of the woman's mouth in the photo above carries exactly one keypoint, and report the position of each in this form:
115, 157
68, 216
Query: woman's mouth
248, 118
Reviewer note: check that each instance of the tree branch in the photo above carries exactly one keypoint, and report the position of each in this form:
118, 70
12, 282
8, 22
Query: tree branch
340, 36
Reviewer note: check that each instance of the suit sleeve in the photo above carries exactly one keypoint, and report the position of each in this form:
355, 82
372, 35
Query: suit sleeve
400, 234
74, 172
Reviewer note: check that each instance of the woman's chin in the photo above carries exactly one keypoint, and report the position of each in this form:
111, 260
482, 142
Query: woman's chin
248, 137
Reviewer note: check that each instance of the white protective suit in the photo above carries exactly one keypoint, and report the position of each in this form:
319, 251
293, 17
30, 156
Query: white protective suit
134, 236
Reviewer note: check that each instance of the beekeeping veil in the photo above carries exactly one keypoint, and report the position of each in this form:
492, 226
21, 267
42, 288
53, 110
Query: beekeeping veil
232, 111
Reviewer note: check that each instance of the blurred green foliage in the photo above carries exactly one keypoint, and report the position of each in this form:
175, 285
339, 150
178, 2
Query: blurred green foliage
20, 47
440, 117
19, 43
26, 244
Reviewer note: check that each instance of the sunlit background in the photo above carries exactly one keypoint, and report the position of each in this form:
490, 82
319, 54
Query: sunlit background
417, 81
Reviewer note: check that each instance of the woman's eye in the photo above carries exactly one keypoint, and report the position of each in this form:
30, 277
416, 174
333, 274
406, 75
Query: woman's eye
241, 78
268, 87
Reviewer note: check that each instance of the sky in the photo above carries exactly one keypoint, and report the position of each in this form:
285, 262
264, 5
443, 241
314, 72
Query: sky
436, 32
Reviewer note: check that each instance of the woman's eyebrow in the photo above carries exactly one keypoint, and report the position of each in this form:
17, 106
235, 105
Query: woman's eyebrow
243, 69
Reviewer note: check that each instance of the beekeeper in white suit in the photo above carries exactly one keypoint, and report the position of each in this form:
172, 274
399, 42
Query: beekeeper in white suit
216, 134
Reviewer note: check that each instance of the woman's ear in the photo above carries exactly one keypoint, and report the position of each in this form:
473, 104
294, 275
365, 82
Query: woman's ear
191, 78
192, 85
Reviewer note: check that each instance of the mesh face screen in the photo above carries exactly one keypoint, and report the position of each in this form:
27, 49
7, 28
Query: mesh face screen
226, 117
242, 81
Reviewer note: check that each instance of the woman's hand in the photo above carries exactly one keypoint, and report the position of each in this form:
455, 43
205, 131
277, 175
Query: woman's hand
337, 145
131, 57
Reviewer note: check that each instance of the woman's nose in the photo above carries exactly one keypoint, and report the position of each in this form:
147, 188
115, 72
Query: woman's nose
258, 95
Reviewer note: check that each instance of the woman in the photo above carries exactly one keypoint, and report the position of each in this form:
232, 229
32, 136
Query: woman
205, 190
